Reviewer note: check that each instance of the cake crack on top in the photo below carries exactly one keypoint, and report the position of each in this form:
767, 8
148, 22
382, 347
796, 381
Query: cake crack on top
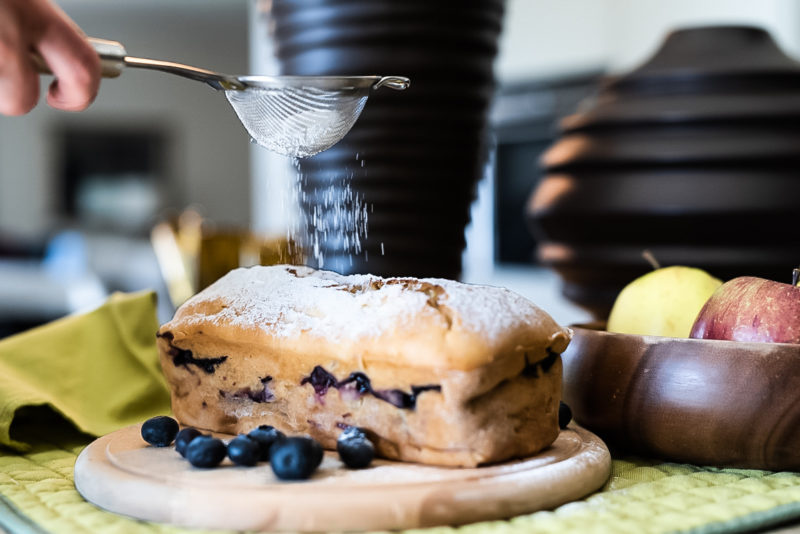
359, 384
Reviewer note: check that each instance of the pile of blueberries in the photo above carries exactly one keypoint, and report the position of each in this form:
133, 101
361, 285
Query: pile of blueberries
291, 458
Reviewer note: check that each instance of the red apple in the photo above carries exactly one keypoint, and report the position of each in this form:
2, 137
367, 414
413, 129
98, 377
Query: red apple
751, 309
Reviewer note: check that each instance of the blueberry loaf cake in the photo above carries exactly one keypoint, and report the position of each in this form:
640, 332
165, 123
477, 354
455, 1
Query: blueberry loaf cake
436, 371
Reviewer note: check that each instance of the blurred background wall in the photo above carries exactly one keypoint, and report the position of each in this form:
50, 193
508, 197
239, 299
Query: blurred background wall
543, 38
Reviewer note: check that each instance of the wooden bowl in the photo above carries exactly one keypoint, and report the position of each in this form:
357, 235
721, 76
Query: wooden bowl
706, 402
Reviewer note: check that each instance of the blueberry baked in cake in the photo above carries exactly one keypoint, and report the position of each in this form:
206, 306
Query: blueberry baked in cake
435, 371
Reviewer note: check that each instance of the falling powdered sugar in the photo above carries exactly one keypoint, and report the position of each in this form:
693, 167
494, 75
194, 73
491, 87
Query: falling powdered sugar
334, 215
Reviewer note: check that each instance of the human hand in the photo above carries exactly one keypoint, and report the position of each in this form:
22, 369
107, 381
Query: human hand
39, 25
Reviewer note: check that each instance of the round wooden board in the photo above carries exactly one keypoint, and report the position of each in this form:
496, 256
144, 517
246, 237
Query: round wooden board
121, 473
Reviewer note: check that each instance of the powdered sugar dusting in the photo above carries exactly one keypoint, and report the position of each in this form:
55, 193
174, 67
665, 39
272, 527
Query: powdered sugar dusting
286, 300
487, 312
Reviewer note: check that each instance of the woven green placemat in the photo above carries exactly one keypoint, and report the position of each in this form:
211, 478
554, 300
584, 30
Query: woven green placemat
37, 490
37, 495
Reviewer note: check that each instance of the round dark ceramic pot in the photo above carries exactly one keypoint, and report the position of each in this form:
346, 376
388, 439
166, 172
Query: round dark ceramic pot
692, 156
414, 157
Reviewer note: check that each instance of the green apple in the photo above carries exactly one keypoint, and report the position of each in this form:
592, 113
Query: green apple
664, 302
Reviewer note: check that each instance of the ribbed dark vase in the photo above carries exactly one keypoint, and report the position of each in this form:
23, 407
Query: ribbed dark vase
693, 156
423, 149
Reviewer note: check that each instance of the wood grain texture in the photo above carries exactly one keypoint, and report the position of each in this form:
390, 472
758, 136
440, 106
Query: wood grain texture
707, 402
122, 474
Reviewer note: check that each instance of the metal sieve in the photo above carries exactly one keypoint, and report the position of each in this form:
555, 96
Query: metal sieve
303, 115
295, 116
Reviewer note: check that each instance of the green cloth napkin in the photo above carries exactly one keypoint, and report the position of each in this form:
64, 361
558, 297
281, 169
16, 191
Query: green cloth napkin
99, 370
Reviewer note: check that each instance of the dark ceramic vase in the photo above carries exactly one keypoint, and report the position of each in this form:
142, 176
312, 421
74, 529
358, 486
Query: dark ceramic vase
692, 156
423, 149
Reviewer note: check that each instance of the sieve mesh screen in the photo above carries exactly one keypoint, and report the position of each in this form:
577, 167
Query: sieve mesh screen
297, 121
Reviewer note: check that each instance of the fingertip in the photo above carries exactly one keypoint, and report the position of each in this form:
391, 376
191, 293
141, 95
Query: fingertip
19, 92
15, 109
19, 83
76, 66
76, 91
76, 100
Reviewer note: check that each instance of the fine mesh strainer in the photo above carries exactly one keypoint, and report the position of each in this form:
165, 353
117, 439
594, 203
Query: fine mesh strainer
295, 116
303, 115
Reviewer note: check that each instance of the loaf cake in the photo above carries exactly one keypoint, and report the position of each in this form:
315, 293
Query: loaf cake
436, 371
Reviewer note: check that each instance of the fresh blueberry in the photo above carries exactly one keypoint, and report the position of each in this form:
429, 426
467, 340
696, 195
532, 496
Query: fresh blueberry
266, 436
355, 448
184, 437
159, 431
244, 451
564, 414
205, 451
294, 458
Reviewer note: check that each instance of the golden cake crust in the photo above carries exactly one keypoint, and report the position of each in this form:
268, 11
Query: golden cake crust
437, 371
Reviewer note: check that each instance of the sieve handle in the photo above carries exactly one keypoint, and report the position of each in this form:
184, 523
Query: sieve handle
398, 83
112, 58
